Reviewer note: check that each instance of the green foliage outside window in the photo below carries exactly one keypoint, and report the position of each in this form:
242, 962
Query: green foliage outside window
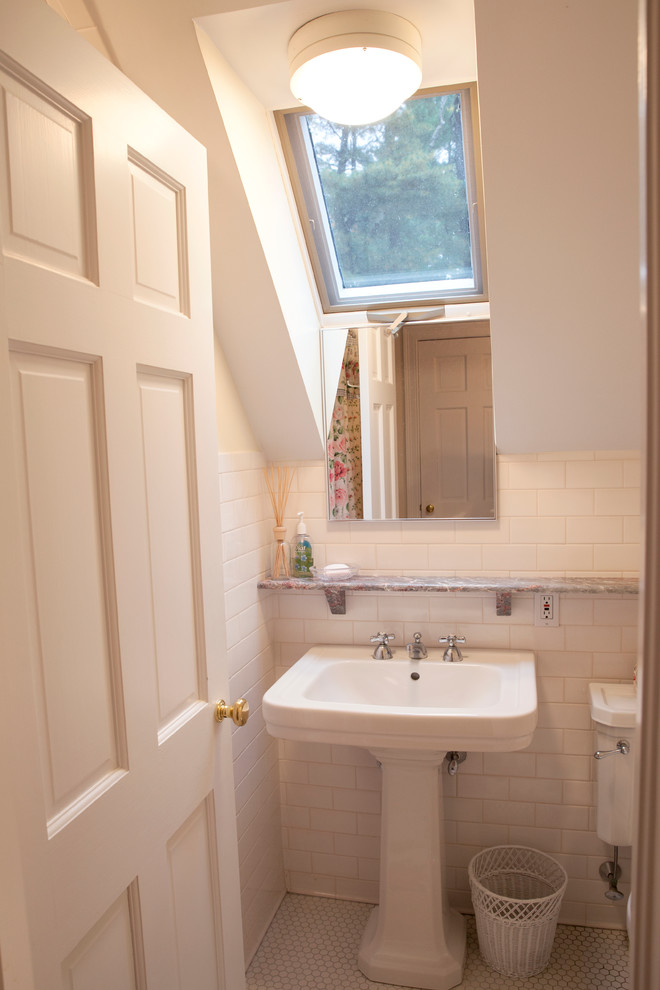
395, 194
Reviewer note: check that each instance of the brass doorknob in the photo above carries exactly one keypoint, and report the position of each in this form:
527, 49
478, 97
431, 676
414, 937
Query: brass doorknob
239, 712
430, 507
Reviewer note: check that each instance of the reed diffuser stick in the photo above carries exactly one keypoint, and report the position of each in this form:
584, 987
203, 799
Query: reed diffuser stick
278, 483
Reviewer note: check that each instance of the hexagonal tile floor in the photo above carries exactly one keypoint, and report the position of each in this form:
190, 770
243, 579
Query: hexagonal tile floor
313, 943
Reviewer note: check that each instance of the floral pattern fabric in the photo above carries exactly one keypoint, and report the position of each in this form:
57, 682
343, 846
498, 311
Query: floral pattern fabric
344, 439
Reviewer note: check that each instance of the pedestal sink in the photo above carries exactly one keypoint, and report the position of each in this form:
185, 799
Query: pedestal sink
408, 713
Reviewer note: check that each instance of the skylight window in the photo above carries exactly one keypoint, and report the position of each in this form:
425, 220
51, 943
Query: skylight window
392, 212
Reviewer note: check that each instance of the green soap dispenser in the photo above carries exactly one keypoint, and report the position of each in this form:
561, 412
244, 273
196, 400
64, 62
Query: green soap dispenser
303, 560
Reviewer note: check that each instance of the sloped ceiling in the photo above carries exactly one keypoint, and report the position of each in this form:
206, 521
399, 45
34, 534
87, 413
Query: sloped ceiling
558, 102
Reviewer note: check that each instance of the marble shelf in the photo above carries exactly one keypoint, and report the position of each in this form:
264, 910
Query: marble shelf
502, 587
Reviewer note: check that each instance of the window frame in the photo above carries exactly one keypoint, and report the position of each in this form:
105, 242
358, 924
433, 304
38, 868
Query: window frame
306, 187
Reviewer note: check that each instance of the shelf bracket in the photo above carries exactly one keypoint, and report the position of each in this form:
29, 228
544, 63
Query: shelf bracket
503, 603
336, 599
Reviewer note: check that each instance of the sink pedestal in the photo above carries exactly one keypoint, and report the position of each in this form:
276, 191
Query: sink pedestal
413, 938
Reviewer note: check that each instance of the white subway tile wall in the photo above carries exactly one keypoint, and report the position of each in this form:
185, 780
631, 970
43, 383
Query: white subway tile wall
542, 797
247, 531
559, 514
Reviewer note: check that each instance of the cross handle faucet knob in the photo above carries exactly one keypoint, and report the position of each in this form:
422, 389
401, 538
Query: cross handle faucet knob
452, 640
382, 638
382, 650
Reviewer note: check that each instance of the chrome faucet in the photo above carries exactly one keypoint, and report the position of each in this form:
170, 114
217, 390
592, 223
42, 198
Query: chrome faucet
416, 649
452, 654
382, 651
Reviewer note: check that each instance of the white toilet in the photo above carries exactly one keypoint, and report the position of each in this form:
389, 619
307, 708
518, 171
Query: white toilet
613, 709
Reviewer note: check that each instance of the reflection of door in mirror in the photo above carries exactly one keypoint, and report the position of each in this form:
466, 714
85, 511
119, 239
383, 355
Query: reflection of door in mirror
378, 419
449, 421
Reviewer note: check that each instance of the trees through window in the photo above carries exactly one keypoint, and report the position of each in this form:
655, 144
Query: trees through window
391, 210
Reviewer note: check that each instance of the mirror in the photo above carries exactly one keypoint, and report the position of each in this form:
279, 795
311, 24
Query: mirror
409, 421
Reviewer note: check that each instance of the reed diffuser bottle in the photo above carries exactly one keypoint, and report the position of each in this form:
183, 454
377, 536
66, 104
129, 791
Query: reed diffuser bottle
278, 483
280, 554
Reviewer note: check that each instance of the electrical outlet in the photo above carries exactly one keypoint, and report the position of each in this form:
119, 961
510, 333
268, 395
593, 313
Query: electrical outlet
546, 610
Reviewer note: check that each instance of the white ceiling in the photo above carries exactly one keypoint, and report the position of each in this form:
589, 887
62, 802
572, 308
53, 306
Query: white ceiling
254, 41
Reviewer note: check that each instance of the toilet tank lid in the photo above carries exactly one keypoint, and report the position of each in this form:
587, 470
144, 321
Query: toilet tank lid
614, 704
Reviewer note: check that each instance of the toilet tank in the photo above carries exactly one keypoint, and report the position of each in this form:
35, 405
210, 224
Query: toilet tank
613, 709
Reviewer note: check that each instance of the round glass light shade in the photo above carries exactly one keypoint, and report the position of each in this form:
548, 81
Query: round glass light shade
355, 66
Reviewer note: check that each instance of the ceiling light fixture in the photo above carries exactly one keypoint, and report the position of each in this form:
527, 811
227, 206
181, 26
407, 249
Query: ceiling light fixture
355, 66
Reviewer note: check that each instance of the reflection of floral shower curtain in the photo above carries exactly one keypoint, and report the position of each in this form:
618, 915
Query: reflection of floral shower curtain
344, 444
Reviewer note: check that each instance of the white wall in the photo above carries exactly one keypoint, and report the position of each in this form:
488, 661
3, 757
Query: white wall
234, 431
558, 100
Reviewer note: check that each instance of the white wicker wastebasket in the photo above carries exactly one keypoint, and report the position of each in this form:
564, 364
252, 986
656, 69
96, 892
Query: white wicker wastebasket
516, 893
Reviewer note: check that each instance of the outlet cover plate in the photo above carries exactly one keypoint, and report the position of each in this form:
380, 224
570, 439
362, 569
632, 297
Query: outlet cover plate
546, 610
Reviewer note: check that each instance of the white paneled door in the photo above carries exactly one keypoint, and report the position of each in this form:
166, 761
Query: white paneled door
118, 853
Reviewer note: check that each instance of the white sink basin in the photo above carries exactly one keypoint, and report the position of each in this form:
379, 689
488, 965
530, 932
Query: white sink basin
340, 694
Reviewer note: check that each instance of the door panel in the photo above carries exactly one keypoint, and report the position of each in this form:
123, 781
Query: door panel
112, 829
165, 406
193, 871
451, 441
46, 190
159, 236
110, 956
67, 555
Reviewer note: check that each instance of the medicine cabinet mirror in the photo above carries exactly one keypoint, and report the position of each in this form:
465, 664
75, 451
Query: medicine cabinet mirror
409, 421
